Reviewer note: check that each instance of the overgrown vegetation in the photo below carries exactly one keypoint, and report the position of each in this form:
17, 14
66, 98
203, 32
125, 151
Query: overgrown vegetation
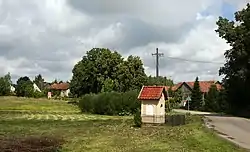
110, 103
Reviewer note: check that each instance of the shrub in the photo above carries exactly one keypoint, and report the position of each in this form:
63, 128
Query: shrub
171, 104
37, 94
110, 103
137, 118
31, 144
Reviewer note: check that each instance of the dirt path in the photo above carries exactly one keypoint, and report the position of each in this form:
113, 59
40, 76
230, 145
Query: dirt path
234, 129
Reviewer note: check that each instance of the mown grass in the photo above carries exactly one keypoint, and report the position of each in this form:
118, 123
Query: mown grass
98, 133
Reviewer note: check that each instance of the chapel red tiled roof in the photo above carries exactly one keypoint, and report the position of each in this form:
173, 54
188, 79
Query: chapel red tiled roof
151, 92
60, 86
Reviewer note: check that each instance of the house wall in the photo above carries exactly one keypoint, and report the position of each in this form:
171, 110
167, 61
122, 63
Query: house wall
185, 90
65, 93
158, 111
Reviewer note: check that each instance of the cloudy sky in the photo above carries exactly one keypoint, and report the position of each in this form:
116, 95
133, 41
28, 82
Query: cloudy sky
50, 36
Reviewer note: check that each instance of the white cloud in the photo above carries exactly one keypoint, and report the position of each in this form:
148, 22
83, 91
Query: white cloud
50, 36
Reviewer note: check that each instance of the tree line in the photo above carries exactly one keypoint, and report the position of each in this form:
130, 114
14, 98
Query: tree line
102, 70
24, 86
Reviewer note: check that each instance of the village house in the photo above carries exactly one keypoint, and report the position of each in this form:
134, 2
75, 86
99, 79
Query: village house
153, 104
63, 88
186, 88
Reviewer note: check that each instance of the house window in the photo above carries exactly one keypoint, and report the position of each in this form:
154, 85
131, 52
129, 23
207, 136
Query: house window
149, 109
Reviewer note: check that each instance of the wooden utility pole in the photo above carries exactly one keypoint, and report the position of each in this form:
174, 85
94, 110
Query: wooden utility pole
157, 54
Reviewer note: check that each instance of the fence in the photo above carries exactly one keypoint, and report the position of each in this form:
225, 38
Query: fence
175, 120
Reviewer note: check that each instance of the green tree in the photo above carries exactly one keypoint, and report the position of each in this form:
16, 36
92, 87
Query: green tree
101, 65
108, 85
39, 81
177, 95
130, 74
138, 118
211, 100
236, 70
5, 84
159, 81
196, 96
24, 87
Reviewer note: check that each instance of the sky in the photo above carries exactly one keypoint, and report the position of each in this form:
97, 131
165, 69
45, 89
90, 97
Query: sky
49, 37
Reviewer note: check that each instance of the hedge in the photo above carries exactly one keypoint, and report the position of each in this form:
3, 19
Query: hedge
110, 103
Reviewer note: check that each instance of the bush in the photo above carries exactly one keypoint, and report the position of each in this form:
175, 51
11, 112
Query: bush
37, 94
171, 104
110, 103
137, 118
31, 144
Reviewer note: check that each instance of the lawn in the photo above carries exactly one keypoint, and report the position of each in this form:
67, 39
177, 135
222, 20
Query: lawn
94, 133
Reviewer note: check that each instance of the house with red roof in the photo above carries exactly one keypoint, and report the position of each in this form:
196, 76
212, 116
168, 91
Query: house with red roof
153, 104
62, 87
186, 88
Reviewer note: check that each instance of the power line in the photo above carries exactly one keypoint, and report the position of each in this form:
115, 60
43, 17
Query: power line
157, 54
188, 60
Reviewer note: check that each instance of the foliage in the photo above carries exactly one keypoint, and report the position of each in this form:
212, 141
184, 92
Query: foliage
196, 96
5, 84
211, 100
110, 103
138, 118
24, 87
109, 85
237, 67
37, 94
170, 104
39, 81
222, 101
177, 95
103, 70
159, 81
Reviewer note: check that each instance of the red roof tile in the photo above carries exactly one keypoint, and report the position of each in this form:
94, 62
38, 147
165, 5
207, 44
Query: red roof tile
59, 86
151, 92
204, 85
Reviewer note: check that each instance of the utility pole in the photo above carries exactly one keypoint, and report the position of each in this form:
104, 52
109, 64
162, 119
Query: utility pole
157, 54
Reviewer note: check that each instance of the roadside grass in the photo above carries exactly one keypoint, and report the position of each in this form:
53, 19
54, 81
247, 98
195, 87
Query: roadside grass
96, 133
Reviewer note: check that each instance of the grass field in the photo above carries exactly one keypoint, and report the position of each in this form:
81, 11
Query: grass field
94, 133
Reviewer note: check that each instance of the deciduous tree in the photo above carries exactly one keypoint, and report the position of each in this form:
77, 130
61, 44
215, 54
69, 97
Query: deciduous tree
5, 84
24, 87
39, 81
236, 70
100, 66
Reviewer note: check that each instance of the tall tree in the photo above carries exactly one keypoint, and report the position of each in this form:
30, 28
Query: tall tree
39, 81
159, 81
24, 87
237, 67
211, 100
100, 66
5, 85
196, 96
